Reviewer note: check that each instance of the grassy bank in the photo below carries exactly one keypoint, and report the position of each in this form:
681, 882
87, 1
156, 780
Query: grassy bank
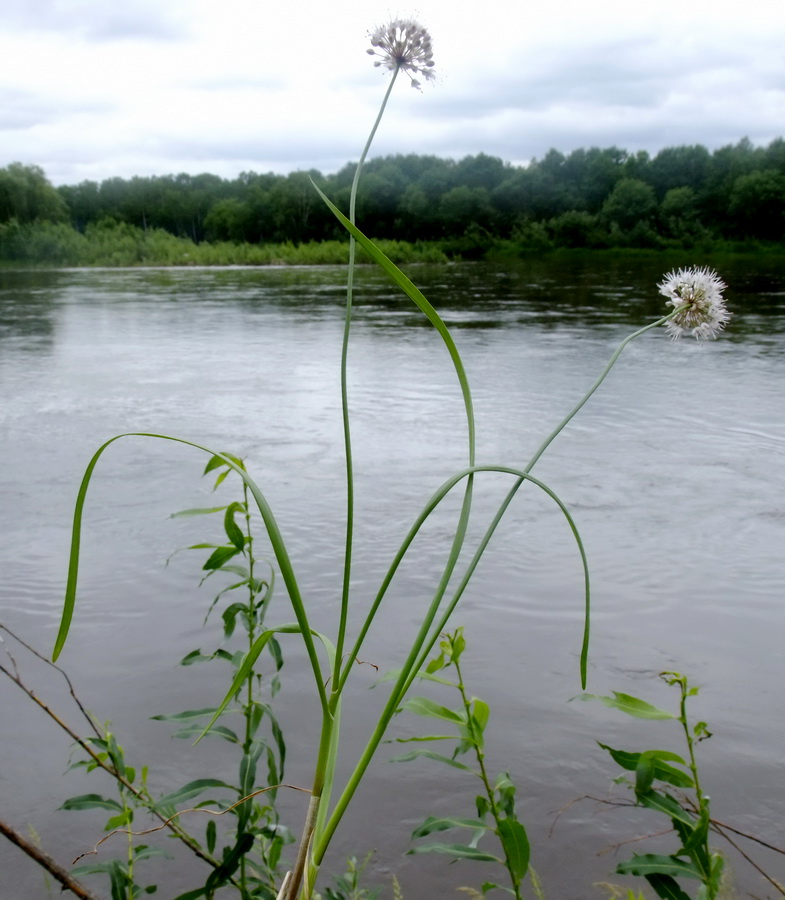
48, 244
118, 244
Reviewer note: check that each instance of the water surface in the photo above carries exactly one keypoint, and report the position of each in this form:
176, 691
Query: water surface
675, 472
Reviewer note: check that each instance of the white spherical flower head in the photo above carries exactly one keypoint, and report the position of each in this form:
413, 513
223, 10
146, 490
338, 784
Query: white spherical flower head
699, 291
404, 44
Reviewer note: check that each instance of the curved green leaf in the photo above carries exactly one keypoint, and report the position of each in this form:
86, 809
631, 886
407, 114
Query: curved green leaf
91, 801
639, 709
443, 823
457, 851
192, 789
654, 864
425, 707
666, 888
428, 754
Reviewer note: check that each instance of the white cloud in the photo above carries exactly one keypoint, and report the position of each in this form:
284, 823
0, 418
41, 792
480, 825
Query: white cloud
92, 88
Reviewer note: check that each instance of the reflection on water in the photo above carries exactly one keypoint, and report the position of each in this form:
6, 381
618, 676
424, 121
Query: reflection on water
675, 472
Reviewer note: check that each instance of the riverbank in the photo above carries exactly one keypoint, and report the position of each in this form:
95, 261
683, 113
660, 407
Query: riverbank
113, 244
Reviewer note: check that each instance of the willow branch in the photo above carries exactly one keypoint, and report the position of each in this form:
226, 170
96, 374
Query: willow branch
43, 859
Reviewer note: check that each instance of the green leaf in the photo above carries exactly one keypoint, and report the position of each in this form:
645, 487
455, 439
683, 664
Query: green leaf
654, 864
639, 709
197, 512
186, 714
427, 754
229, 616
191, 790
210, 835
232, 529
194, 656
664, 803
443, 823
192, 895
216, 730
457, 851
91, 801
516, 846
145, 852
219, 557
120, 820
216, 462
666, 888
662, 770
422, 706
230, 863
644, 774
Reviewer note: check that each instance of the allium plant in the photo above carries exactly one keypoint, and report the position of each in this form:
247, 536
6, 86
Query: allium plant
696, 297
402, 45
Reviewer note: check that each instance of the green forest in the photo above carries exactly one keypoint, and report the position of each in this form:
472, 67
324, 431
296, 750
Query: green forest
420, 207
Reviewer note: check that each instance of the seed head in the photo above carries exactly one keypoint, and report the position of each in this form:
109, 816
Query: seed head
699, 291
403, 44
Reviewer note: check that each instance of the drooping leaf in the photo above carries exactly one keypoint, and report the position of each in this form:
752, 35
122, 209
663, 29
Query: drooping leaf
427, 754
192, 895
185, 715
191, 790
664, 803
220, 556
639, 709
220, 731
666, 888
655, 864
457, 851
232, 860
232, 529
210, 835
91, 801
661, 769
422, 706
197, 512
444, 823
194, 656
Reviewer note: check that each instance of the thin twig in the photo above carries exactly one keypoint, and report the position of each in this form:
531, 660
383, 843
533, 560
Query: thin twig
146, 801
201, 809
49, 662
46, 861
718, 829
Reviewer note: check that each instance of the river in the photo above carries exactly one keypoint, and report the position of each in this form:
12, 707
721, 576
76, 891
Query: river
674, 471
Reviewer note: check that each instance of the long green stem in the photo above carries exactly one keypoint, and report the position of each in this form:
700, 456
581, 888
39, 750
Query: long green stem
347, 438
489, 791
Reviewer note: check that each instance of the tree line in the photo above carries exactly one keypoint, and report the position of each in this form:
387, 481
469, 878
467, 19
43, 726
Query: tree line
682, 196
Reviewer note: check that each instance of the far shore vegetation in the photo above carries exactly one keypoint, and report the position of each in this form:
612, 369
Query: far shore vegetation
423, 209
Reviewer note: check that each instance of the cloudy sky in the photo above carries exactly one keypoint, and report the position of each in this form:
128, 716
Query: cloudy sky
90, 89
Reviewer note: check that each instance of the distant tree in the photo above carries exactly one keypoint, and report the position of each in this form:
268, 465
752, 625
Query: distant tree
83, 202
757, 205
462, 207
229, 220
575, 228
631, 202
676, 167
481, 171
27, 196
